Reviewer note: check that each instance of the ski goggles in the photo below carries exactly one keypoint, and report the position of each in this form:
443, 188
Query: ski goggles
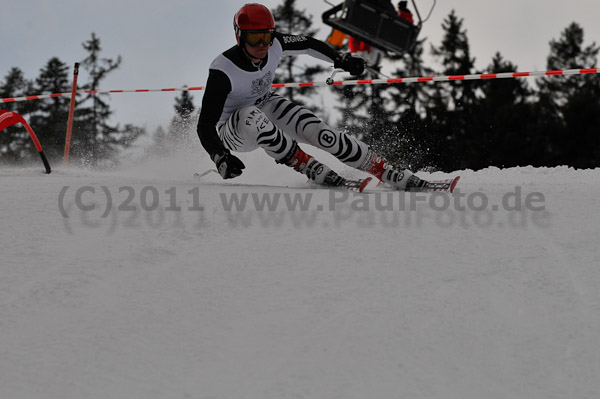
255, 37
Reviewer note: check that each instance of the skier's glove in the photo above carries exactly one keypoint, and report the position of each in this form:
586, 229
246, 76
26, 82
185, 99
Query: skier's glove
354, 65
228, 165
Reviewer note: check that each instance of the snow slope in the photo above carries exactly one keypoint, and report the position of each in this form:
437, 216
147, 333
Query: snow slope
344, 299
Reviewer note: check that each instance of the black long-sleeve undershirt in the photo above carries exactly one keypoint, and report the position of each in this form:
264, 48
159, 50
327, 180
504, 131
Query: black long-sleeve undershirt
217, 88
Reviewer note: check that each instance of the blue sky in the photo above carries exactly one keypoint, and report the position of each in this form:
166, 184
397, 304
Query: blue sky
171, 43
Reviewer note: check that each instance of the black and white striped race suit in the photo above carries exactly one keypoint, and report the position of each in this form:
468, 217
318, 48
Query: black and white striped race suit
240, 112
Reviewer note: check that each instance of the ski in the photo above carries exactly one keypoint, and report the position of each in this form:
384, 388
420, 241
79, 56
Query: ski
355, 184
347, 184
445, 185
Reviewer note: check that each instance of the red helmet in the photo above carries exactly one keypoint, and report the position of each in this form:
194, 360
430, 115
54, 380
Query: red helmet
253, 17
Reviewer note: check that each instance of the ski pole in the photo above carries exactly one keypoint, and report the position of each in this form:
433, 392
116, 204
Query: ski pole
199, 175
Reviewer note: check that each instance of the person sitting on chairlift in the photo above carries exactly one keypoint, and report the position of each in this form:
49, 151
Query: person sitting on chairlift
404, 12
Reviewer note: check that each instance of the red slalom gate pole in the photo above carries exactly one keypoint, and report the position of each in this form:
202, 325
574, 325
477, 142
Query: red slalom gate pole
71, 113
8, 118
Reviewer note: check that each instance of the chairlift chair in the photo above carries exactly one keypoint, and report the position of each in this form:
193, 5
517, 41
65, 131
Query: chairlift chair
367, 21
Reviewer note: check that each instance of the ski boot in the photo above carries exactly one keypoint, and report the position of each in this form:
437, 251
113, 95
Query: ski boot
313, 169
400, 179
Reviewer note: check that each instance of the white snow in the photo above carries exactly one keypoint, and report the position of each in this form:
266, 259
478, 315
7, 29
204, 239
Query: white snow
343, 300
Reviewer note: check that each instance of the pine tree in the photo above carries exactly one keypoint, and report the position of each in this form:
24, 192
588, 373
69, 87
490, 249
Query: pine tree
411, 141
95, 140
183, 120
411, 95
97, 68
570, 107
50, 120
450, 109
354, 118
455, 56
379, 129
568, 52
15, 85
503, 122
160, 143
292, 20
178, 135
14, 140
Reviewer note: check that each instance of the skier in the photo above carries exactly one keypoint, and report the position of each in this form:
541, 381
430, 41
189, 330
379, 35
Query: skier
241, 113
404, 12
